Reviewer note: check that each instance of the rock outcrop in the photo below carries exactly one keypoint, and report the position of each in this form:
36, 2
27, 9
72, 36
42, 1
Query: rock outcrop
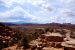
7, 36
54, 41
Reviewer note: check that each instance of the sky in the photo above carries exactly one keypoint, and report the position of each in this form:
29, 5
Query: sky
37, 11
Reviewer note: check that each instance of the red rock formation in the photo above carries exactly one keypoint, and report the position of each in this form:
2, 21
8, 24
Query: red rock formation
6, 36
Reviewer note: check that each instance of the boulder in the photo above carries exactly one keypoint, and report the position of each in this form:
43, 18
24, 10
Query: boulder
58, 45
69, 45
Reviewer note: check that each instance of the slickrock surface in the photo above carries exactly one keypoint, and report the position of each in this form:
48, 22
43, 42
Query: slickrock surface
51, 48
69, 45
11, 48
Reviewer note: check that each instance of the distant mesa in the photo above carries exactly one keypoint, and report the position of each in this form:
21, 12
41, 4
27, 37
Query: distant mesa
2, 24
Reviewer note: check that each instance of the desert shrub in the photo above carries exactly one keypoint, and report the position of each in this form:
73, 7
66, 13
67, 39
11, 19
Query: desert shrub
51, 30
25, 42
63, 32
46, 29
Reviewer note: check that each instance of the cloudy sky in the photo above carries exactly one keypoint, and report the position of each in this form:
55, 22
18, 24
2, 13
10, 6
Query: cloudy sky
37, 11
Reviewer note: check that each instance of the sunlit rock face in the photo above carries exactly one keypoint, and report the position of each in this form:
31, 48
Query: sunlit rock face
69, 45
54, 37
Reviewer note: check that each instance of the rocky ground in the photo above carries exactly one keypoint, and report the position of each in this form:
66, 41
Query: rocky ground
53, 41
56, 39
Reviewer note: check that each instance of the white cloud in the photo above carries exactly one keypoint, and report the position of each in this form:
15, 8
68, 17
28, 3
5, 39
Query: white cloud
68, 13
50, 12
9, 3
14, 12
65, 16
8, 20
46, 7
17, 12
